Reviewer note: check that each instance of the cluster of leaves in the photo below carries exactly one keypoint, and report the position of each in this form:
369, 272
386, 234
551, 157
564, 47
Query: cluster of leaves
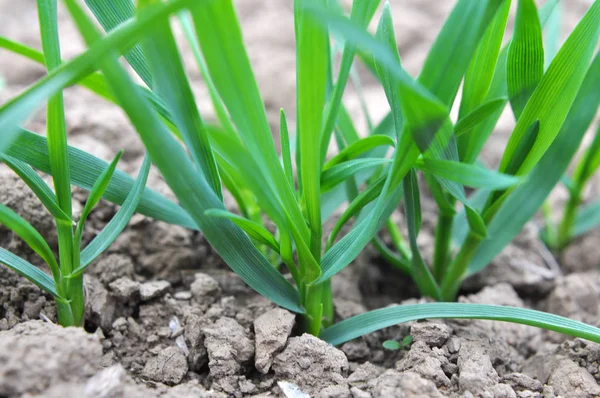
197, 158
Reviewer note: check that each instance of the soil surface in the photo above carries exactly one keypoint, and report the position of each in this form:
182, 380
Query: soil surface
166, 318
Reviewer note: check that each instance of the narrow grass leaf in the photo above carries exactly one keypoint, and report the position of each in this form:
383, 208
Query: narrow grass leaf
312, 57
470, 144
341, 172
454, 47
525, 63
112, 13
29, 271
361, 14
18, 109
220, 37
119, 221
470, 175
30, 236
172, 85
286, 154
478, 115
523, 148
222, 115
412, 206
37, 185
95, 195
371, 321
56, 132
358, 148
85, 169
253, 229
480, 72
368, 195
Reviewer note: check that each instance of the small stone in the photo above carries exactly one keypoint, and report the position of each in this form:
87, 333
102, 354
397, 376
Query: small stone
502, 390
311, 364
453, 345
168, 367
425, 362
363, 374
153, 289
358, 393
228, 347
125, 289
113, 267
194, 336
434, 334
272, 330
185, 295
335, 392
107, 383
205, 290
521, 382
407, 385
477, 375
100, 307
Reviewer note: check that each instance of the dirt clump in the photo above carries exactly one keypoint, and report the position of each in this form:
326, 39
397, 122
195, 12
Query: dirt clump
564, 376
271, 330
35, 355
311, 364
168, 367
405, 385
228, 346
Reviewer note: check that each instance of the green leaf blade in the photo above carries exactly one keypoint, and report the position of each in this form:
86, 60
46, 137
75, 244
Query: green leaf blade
371, 321
525, 64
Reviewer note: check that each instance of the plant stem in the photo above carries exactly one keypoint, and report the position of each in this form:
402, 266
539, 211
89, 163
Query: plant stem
327, 299
565, 228
456, 271
314, 309
443, 237
398, 240
63, 308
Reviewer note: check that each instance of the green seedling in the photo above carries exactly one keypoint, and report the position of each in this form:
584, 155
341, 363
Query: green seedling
66, 280
198, 159
553, 108
394, 345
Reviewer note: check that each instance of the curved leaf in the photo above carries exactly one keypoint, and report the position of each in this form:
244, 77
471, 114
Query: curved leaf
119, 221
254, 230
30, 235
29, 271
478, 115
341, 172
31, 148
467, 174
37, 185
525, 62
358, 148
371, 321
112, 13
